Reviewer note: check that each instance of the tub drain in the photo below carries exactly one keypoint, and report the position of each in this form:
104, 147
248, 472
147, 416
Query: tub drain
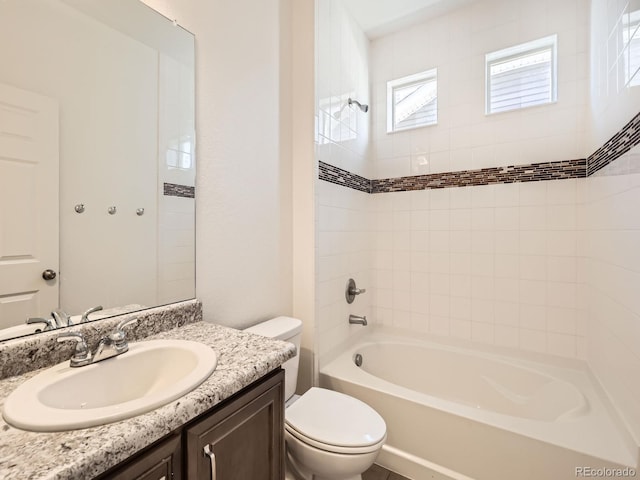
358, 360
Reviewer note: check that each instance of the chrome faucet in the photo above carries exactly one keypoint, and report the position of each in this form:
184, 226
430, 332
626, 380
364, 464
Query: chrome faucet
113, 344
85, 315
62, 318
356, 320
110, 346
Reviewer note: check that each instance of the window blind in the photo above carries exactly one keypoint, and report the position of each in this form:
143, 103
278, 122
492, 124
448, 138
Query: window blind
520, 82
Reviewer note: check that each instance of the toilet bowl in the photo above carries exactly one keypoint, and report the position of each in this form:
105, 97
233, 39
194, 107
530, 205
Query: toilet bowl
333, 436
328, 435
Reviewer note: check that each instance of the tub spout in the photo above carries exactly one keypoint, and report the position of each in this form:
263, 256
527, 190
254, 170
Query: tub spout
356, 320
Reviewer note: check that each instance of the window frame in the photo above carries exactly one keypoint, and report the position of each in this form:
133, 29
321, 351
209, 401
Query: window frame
629, 33
408, 81
548, 43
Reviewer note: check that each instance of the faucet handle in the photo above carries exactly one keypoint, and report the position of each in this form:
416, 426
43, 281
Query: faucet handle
81, 355
48, 322
85, 315
351, 291
118, 336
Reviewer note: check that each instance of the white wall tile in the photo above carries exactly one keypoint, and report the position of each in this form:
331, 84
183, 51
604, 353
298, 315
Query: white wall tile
345, 220
494, 264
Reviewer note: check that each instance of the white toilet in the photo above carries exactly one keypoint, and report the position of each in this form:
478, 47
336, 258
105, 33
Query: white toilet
329, 435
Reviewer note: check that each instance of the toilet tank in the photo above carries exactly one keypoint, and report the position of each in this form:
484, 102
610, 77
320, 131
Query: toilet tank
289, 330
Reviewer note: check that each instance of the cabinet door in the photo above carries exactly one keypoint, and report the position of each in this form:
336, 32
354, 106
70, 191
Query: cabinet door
162, 462
243, 440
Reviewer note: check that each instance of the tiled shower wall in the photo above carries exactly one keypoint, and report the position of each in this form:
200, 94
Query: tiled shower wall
612, 220
495, 264
545, 266
342, 72
345, 243
342, 139
465, 138
613, 276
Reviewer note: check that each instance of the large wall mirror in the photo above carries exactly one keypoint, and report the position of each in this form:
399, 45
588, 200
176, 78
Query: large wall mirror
97, 161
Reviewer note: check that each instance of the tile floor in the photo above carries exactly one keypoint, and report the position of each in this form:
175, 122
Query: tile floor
376, 472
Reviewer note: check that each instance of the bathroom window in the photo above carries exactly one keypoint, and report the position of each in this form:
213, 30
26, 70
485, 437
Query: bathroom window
522, 76
179, 154
412, 101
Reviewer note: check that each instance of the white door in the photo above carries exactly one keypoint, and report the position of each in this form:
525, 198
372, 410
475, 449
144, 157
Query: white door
28, 205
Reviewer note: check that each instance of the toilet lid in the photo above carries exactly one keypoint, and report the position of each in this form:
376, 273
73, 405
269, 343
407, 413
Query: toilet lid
333, 418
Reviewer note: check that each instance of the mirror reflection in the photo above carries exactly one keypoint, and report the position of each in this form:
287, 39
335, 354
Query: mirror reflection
97, 162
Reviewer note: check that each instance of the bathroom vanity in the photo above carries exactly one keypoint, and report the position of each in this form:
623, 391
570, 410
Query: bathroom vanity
246, 432
237, 413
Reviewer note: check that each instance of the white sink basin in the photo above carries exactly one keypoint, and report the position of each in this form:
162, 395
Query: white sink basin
149, 375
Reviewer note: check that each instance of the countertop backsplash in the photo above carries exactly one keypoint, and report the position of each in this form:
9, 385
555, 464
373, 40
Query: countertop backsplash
25, 354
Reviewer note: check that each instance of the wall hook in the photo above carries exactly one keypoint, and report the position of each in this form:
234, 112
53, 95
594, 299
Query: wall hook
111, 210
140, 212
79, 208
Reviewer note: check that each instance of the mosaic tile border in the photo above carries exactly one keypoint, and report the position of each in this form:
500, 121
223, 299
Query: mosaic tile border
336, 175
175, 190
486, 176
534, 172
620, 144
623, 141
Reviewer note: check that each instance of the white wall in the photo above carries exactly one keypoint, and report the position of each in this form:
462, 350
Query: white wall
305, 173
465, 138
611, 223
343, 219
243, 185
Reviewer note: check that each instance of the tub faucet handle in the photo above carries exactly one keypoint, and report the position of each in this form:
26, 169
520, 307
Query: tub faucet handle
352, 291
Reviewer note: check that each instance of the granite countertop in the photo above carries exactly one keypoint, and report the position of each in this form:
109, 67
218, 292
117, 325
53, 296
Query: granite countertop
81, 454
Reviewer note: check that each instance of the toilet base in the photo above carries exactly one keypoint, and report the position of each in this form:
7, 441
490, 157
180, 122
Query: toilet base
294, 473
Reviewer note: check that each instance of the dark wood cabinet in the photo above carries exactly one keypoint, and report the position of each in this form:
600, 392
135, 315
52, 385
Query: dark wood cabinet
160, 462
240, 439
243, 440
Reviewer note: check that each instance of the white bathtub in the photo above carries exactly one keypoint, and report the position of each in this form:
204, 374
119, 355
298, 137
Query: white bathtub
455, 413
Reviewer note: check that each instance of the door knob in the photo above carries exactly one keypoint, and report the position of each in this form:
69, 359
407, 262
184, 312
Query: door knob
49, 274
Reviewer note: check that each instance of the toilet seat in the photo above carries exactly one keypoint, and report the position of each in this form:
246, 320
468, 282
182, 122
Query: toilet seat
335, 448
334, 422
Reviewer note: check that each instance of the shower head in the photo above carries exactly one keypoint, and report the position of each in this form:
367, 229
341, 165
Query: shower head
363, 107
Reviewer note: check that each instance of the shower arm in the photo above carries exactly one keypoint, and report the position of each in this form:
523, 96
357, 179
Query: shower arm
350, 102
364, 108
